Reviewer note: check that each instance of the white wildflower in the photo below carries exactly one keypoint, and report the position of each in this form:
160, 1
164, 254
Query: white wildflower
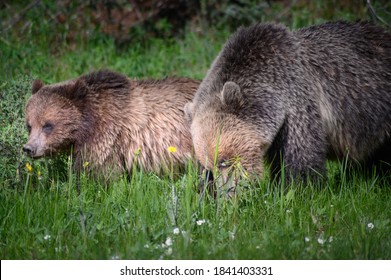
47, 237
306, 239
320, 241
200, 222
169, 251
176, 231
168, 242
370, 225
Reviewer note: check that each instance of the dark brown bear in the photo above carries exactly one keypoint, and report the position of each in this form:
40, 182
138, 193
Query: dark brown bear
295, 98
112, 122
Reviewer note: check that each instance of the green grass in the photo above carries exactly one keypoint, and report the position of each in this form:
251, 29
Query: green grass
47, 219
157, 58
43, 217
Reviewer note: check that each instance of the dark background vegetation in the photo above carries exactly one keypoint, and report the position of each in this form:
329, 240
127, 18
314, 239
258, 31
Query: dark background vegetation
61, 26
69, 21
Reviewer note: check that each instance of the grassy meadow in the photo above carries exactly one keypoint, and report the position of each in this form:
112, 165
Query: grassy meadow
148, 217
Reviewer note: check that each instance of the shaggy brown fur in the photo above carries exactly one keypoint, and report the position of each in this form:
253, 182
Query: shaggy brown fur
297, 98
111, 121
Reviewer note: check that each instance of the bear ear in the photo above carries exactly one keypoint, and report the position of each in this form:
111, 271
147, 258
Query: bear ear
189, 111
231, 94
37, 85
78, 90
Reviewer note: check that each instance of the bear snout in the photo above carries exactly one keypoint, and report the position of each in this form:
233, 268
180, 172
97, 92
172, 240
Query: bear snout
29, 150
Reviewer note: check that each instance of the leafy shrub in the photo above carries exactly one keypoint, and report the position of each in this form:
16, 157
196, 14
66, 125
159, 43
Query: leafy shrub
13, 134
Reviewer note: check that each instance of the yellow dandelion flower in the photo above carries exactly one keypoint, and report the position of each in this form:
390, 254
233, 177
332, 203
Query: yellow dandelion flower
39, 174
85, 164
137, 151
29, 167
171, 149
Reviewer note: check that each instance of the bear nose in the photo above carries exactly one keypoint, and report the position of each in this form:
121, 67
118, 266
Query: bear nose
28, 150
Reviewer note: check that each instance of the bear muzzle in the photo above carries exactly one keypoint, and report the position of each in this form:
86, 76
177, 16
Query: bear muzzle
29, 150
226, 182
32, 151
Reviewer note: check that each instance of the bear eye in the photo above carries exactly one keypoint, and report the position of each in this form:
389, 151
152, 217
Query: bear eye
223, 164
47, 127
28, 127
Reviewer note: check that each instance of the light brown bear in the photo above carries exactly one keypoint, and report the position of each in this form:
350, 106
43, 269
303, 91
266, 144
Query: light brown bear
295, 99
112, 122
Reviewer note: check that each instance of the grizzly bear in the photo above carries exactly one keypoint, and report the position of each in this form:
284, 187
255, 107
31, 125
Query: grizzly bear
295, 99
111, 122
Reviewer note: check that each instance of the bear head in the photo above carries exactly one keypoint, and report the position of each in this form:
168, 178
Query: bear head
53, 117
225, 141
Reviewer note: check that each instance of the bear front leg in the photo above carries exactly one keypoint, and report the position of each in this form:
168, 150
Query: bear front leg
299, 150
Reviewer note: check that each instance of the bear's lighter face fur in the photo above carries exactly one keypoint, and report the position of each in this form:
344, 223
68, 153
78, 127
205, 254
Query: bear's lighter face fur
51, 122
225, 143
